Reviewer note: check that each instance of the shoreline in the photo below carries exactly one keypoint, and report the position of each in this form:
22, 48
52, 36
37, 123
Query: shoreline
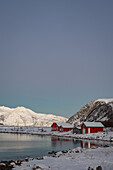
72, 159
86, 157
100, 136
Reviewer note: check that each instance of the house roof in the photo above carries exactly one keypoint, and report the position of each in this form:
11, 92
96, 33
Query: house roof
77, 127
93, 124
65, 125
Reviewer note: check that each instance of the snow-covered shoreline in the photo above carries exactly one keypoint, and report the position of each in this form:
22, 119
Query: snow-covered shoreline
80, 159
104, 136
73, 159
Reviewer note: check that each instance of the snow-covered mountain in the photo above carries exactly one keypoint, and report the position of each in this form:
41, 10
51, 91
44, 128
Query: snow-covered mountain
96, 110
22, 116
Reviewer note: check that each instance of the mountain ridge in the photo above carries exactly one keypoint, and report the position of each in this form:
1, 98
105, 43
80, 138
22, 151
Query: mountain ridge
96, 110
21, 116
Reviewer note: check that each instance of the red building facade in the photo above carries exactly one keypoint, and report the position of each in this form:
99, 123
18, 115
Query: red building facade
91, 127
62, 127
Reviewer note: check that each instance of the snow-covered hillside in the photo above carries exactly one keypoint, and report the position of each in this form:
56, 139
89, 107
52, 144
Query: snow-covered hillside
96, 110
22, 116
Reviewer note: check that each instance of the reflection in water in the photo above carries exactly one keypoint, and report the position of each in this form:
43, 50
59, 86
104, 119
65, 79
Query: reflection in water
15, 146
59, 141
88, 144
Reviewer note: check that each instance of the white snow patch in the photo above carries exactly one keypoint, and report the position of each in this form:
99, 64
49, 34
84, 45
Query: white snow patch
80, 160
105, 100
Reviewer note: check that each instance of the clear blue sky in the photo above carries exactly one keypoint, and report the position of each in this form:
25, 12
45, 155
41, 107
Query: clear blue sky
55, 55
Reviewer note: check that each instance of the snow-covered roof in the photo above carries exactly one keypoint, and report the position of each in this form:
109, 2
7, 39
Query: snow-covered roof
65, 125
78, 127
93, 124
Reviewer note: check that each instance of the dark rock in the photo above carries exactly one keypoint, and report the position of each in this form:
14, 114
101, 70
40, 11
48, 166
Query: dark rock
40, 158
90, 168
64, 151
26, 159
99, 168
106, 146
52, 152
77, 151
19, 162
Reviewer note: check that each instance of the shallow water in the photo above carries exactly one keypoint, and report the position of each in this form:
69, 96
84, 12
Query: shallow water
20, 146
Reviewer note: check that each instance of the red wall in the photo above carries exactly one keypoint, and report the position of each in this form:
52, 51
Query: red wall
92, 129
55, 127
64, 129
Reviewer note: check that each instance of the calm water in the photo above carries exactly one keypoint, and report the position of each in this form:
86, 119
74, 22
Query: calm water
15, 146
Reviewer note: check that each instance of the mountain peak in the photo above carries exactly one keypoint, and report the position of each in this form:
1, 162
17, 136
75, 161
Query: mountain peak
105, 100
21, 116
96, 110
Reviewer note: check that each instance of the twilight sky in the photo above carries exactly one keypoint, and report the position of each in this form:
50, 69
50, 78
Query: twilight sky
55, 55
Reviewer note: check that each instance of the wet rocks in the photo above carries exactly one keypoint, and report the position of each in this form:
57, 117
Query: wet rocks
52, 152
97, 168
6, 165
26, 159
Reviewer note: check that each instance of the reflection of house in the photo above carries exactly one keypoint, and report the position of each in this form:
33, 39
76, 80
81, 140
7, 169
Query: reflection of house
77, 130
91, 127
62, 127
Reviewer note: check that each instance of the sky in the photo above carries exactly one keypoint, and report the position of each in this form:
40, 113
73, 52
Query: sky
55, 55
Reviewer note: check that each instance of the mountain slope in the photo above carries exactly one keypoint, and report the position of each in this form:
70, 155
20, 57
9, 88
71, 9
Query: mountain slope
22, 116
96, 110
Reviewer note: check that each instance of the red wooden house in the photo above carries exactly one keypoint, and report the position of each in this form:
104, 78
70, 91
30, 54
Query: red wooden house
91, 127
62, 127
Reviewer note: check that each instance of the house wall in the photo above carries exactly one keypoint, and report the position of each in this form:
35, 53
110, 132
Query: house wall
65, 129
54, 127
92, 129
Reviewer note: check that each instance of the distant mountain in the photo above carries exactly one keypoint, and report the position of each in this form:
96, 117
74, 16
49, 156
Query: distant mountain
97, 110
22, 116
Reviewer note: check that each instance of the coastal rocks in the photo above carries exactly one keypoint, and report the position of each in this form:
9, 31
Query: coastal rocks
26, 159
97, 168
2, 165
6, 165
60, 153
52, 152
9, 165
111, 139
18, 162
40, 167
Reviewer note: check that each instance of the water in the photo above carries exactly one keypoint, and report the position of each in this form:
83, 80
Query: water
16, 146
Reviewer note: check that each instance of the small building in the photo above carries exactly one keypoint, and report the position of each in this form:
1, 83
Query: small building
91, 127
77, 130
62, 127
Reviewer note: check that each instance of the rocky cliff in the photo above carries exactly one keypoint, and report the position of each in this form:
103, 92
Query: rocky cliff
97, 110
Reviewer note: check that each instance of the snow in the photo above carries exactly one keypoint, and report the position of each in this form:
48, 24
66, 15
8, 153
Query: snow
104, 136
65, 125
93, 124
105, 100
79, 159
22, 116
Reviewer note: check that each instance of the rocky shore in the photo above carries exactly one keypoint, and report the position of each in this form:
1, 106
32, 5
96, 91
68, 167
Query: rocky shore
81, 159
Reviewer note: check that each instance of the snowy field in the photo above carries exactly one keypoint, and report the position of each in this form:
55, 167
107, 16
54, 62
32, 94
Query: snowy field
75, 159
